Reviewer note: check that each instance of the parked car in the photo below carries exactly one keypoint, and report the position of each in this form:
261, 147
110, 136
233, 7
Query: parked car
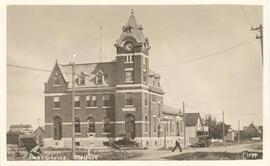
203, 141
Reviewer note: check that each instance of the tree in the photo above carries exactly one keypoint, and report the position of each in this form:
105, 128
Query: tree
211, 122
215, 128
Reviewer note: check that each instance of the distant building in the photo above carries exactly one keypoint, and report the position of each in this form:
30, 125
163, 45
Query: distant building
116, 98
21, 128
253, 131
16, 131
194, 127
230, 136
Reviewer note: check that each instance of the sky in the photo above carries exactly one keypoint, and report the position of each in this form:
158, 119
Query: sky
228, 78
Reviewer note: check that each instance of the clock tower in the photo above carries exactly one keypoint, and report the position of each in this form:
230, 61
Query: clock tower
132, 49
132, 61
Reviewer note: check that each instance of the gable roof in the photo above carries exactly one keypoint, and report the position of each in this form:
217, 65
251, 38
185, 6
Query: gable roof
192, 119
89, 71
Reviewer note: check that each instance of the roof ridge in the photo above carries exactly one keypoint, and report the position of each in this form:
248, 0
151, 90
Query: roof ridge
87, 63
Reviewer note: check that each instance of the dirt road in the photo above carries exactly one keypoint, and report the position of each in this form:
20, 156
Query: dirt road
153, 154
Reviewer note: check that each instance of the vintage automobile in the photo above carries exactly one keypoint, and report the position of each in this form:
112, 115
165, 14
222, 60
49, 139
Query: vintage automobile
203, 141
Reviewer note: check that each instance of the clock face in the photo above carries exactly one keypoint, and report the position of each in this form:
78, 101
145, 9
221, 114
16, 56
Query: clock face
128, 46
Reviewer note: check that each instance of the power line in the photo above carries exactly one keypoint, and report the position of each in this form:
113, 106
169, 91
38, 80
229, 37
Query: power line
244, 12
209, 55
28, 68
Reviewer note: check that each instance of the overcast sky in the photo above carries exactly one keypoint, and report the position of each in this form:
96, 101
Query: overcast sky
230, 80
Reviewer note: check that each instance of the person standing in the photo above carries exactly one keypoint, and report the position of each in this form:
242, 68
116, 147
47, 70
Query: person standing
177, 145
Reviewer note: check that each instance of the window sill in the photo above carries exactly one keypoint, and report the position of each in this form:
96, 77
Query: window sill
56, 108
128, 62
77, 108
56, 85
106, 133
128, 106
129, 82
78, 133
106, 107
90, 107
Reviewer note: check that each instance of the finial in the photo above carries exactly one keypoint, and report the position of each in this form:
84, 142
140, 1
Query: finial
132, 12
56, 61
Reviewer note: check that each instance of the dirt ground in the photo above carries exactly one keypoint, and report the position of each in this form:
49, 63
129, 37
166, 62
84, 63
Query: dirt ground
229, 148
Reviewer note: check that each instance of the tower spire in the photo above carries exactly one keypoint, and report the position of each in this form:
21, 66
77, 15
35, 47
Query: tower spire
132, 12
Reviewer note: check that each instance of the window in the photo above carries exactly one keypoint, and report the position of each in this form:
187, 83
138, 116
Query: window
129, 59
56, 102
155, 124
107, 125
77, 125
128, 99
129, 76
91, 101
158, 84
77, 101
99, 80
106, 100
154, 98
146, 124
82, 80
144, 76
145, 99
154, 82
55, 79
91, 125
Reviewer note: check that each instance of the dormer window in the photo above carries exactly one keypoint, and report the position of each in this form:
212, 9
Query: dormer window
99, 80
55, 79
82, 79
100, 77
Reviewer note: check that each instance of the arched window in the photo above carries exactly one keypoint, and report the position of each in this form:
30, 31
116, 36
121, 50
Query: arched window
91, 125
57, 128
77, 125
107, 125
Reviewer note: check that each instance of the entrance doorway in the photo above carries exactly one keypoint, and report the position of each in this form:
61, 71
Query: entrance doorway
57, 128
130, 126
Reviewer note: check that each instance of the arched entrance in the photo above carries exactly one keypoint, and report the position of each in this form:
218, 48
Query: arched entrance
57, 128
130, 126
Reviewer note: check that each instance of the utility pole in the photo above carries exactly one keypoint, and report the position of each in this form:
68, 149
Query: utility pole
100, 44
73, 111
38, 140
165, 131
238, 132
184, 124
223, 126
260, 30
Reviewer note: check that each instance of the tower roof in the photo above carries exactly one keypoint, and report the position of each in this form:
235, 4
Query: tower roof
132, 30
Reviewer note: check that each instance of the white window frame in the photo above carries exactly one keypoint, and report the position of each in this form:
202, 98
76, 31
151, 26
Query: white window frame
56, 99
77, 99
103, 97
129, 59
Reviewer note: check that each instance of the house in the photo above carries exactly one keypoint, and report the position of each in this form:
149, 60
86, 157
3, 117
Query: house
230, 136
194, 127
112, 99
253, 131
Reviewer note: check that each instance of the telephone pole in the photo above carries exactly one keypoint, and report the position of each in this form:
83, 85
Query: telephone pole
223, 126
238, 132
73, 111
100, 43
184, 124
260, 30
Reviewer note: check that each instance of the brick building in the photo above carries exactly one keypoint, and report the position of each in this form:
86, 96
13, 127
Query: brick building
121, 97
